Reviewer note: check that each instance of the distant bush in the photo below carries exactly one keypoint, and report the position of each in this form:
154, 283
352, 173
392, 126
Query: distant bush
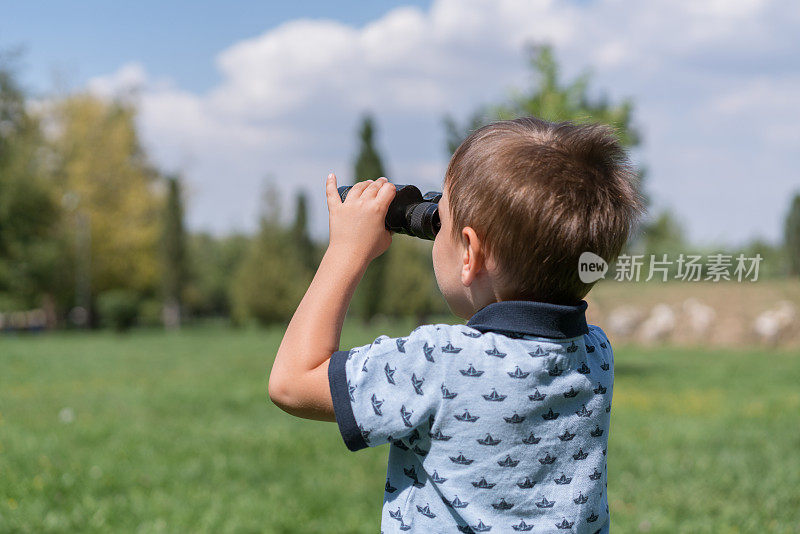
118, 308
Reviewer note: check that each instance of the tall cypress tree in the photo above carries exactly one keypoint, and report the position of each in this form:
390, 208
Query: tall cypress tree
301, 240
175, 268
792, 236
370, 293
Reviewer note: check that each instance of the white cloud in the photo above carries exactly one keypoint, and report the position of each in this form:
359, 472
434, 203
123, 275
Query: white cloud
715, 86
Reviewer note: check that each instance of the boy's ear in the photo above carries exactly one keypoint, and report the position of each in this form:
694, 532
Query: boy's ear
472, 256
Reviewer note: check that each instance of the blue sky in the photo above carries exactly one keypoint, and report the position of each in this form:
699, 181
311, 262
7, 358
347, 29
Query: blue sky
233, 98
176, 39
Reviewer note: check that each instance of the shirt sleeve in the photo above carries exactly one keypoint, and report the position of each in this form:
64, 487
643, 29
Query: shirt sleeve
382, 391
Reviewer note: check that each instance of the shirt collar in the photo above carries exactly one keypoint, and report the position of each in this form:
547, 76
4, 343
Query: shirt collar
533, 318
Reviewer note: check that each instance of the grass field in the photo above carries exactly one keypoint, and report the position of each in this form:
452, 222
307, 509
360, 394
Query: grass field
173, 432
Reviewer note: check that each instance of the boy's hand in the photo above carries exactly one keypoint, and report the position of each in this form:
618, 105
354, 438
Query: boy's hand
357, 227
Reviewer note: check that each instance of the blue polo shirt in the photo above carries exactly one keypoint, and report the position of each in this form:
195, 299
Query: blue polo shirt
500, 424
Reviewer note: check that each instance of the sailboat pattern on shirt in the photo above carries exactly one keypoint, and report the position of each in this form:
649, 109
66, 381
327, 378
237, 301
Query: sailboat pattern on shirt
487, 432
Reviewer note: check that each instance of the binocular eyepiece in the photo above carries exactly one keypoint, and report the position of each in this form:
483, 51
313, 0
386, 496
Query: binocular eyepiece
410, 212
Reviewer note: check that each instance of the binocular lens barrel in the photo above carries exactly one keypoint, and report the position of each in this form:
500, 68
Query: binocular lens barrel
410, 212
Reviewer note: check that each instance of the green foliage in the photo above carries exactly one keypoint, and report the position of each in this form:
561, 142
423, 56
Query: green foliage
368, 299
118, 308
792, 236
213, 262
550, 99
33, 255
175, 269
103, 169
306, 249
271, 280
174, 433
411, 289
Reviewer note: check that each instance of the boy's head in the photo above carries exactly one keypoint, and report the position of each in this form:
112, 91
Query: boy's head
525, 198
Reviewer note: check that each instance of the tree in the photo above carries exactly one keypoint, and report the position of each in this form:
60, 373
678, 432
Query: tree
306, 249
34, 258
792, 236
174, 242
369, 295
271, 280
549, 99
101, 164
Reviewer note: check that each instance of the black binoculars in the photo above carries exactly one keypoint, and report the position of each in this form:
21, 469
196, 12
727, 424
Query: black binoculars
410, 212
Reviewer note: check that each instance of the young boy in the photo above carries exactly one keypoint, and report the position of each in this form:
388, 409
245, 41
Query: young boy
501, 423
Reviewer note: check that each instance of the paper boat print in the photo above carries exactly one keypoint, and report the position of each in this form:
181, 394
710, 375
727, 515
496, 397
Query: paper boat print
436, 478
544, 503
389, 488
584, 369
389, 373
507, 462
450, 349
447, 394
495, 352
597, 432
550, 415
518, 373
522, 526
438, 436
526, 484
531, 440
417, 383
400, 342
426, 511
580, 455
412, 474
502, 505
599, 390
469, 333
537, 396
538, 352
428, 351
467, 417
581, 499
406, 415
483, 484
488, 440
455, 503
376, 404
563, 479
514, 419
566, 436
461, 459
565, 525
494, 396
571, 393
572, 347
471, 371
583, 412
547, 459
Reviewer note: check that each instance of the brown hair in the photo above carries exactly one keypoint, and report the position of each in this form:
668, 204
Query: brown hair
538, 194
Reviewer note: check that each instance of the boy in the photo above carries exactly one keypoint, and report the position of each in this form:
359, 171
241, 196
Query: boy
501, 423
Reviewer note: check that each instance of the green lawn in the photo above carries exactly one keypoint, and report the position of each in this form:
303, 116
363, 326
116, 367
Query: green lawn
173, 432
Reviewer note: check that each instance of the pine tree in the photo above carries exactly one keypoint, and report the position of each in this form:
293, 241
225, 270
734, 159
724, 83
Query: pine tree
175, 268
306, 250
792, 236
370, 294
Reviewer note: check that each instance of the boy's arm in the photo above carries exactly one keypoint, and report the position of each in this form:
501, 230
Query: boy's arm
298, 381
